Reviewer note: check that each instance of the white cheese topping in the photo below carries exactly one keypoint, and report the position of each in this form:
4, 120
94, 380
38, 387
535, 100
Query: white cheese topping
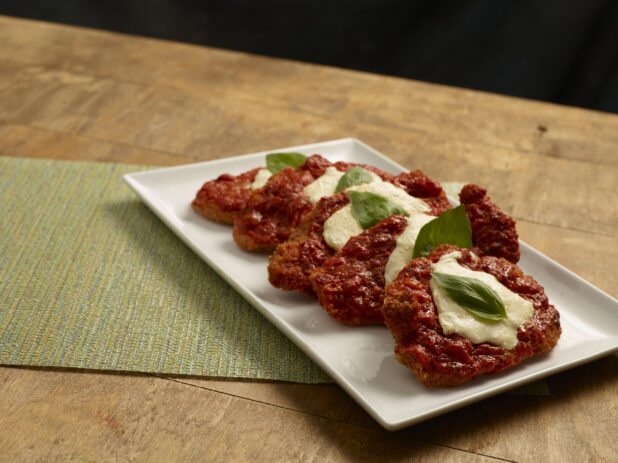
324, 185
402, 254
261, 178
452, 189
455, 319
341, 226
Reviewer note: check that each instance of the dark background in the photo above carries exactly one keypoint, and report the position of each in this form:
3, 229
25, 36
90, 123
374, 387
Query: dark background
563, 51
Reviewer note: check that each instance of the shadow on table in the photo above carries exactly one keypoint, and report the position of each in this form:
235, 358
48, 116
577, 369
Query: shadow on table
478, 428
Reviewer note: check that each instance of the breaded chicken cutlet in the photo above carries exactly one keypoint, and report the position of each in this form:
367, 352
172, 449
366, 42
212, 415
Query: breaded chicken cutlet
224, 197
440, 359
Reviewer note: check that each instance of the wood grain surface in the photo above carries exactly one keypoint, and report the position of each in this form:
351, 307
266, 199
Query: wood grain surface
71, 93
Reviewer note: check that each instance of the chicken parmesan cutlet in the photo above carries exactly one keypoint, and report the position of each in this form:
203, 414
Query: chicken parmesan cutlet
308, 247
449, 328
272, 211
350, 285
222, 198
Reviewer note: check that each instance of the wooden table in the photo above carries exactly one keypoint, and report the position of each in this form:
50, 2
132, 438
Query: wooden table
71, 93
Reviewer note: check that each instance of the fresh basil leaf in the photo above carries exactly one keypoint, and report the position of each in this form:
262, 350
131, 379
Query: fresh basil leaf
369, 208
452, 227
355, 176
277, 161
473, 295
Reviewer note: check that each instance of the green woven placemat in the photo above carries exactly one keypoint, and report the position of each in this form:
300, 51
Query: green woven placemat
91, 278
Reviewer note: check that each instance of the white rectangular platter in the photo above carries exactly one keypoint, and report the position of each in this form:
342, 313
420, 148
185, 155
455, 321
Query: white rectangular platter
361, 359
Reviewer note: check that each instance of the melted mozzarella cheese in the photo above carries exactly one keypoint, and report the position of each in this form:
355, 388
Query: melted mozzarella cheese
341, 226
402, 254
452, 189
455, 319
324, 185
261, 178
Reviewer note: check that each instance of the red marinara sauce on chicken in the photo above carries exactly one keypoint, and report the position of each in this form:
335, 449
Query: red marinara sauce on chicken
224, 197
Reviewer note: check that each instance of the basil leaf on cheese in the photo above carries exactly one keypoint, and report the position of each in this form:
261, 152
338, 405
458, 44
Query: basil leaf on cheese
369, 208
452, 227
355, 176
473, 295
277, 161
